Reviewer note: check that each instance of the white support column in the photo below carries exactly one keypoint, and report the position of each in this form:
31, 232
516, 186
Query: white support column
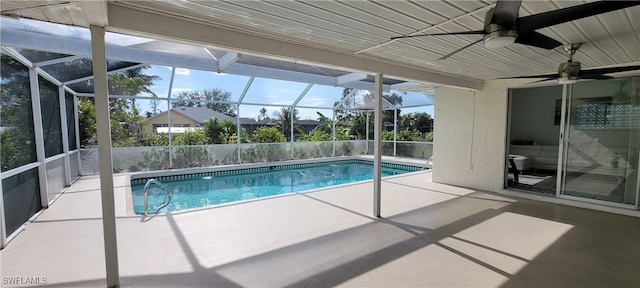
395, 131
173, 74
39, 136
333, 133
65, 135
104, 155
377, 148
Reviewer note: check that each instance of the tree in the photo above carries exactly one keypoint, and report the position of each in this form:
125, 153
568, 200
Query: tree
263, 114
87, 121
207, 98
223, 132
351, 109
17, 132
429, 137
395, 100
266, 134
213, 131
126, 118
284, 120
195, 137
327, 124
423, 122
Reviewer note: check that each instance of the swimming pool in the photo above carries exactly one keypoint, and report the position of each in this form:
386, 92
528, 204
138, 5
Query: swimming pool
216, 187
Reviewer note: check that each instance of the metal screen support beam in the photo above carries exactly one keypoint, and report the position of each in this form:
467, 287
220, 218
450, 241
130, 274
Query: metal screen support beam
395, 131
108, 73
65, 135
173, 74
295, 103
76, 121
244, 93
39, 136
345, 98
238, 131
226, 60
377, 147
291, 128
3, 224
104, 154
333, 133
366, 132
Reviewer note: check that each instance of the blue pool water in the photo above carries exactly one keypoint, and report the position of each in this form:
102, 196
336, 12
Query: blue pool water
201, 190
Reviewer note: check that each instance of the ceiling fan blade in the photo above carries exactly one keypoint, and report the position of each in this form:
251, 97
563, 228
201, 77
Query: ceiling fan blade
479, 32
537, 21
548, 76
506, 12
458, 50
537, 40
596, 77
602, 71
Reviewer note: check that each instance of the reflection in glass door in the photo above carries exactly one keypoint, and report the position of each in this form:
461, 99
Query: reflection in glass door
602, 141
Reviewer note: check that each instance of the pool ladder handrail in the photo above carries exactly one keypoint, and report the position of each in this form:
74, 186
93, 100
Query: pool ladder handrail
146, 196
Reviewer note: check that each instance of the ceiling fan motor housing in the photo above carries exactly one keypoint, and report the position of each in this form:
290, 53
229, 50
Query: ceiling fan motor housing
569, 72
497, 35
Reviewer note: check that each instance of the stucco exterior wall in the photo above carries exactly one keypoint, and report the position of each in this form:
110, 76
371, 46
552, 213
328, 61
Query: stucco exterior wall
176, 118
470, 135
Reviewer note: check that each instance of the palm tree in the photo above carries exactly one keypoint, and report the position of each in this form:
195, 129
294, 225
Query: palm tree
284, 120
327, 124
263, 114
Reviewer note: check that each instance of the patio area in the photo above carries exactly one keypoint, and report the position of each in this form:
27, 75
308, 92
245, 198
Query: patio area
432, 235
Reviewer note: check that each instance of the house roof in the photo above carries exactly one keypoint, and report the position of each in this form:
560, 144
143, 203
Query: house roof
308, 122
202, 114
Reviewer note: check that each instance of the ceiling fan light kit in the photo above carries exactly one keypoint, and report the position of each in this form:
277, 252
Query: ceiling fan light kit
499, 36
568, 80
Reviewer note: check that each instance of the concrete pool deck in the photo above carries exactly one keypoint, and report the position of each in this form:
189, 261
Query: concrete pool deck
432, 235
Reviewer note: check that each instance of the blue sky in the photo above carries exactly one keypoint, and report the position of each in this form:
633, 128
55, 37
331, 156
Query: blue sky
271, 94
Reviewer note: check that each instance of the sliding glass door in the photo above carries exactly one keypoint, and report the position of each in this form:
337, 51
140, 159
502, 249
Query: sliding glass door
600, 149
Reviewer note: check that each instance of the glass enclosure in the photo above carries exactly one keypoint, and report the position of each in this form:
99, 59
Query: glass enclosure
578, 141
168, 117
602, 140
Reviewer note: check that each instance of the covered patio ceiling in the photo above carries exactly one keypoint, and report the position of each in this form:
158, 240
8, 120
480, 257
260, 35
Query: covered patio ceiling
354, 36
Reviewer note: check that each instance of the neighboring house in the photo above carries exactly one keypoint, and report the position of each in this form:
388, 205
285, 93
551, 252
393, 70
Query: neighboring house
188, 118
307, 125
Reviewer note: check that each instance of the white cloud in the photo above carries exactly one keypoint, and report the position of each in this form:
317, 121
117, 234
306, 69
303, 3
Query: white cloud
183, 71
315, 101
285, 103
180, 90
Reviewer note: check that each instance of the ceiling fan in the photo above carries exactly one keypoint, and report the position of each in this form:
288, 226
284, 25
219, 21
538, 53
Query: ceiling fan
569, 72
502, 26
